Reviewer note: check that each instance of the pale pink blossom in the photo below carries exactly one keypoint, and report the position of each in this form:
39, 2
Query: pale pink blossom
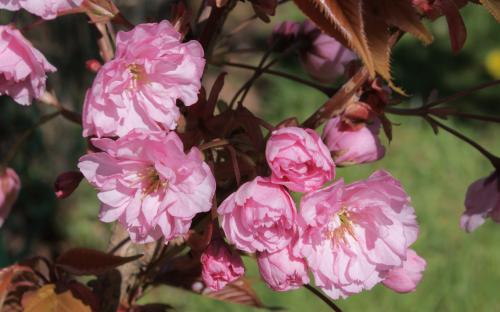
299, 159
259, 216
139, 88
353, 146
482, 201
282, 271
353, 235
10, 184
23, 69
406, 278
220, 265
47, 9
147, 183
325, 58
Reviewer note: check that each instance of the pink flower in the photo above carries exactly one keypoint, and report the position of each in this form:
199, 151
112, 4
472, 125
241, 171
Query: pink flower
325, 58
47, 9
299, 159
353, 146
406, 278
22, 67
220, 265
284, 35
482, 201
259, 216
152, 69
282, 271
10, 184
147, 183
353, 235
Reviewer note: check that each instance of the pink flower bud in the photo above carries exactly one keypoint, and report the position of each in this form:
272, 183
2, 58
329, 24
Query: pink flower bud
325, 58
282, 271
10, 184
406, 278
259, 216
482, 201
24, 68
93, 65
284, 35
299, 159
66, 183
353, 146
220, 265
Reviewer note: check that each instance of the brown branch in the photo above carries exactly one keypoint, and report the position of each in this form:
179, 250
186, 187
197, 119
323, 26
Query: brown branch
337, 103
326, 90
463, 93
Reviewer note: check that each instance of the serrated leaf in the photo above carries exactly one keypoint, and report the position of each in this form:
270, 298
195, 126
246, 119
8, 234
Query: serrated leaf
46, 299
342, 20
84, 261
493, 6
402, 15
364, 26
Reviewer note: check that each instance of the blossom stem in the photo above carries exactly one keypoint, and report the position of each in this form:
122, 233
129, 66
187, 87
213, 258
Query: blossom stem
326, 90
325, 299
19, 142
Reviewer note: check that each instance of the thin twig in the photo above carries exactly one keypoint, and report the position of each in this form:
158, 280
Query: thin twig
325, 299
326, 90
463, 93
119, 245
213, 144
495, 161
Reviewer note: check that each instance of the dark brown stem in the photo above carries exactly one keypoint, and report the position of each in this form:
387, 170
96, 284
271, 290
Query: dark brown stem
326, 90
475, 117
325, 299
462, 93
495, 161
213, 144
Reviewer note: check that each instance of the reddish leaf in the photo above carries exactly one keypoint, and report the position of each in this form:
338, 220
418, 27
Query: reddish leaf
83, 261
456, 26
364, 25
239, 291
46, 299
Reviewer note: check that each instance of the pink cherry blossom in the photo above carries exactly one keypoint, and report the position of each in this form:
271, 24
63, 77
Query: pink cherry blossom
353, 146
147, 183
47, 9
282, 271
10, 184
299, 159
139, 88
23, 69
482, 201
259, 216
406, 278
220, 265
353, 235
325, 58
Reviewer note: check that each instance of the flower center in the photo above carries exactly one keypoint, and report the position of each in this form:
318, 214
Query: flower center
152, 181
342, 227
138, 73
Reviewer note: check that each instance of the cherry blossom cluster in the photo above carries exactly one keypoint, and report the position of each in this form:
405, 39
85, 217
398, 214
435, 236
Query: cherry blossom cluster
298, 220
